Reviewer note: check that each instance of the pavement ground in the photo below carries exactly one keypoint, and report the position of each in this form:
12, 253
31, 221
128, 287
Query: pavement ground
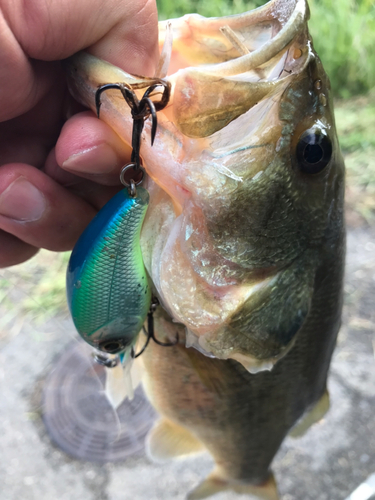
328, 463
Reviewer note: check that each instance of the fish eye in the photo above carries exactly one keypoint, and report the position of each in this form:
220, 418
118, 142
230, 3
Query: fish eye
314, 151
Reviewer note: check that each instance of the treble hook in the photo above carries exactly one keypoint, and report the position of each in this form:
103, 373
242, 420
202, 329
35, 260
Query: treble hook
140, 109
151, 333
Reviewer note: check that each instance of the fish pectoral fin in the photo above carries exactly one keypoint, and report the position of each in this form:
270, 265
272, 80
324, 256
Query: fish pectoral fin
215, 483
312, 417
167, 440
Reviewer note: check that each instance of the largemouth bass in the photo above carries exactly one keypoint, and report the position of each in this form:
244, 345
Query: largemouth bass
243, 239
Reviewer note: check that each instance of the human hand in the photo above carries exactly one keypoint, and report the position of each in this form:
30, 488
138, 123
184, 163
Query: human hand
49, 194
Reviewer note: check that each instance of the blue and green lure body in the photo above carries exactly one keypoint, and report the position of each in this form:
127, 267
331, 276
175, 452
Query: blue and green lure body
107, 286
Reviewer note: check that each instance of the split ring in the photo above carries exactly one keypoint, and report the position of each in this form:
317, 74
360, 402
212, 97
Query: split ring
136, 169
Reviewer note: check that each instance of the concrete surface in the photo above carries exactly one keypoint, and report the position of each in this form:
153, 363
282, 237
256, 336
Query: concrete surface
328, 463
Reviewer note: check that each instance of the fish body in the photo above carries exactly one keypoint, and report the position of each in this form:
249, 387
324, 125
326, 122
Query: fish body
240, 418
107, 286
244, 239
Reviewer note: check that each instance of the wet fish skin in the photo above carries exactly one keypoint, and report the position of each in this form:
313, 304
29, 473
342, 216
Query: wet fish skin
242, 418
302, 214
239, 417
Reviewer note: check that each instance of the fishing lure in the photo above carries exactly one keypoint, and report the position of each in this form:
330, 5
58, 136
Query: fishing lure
107, 286
108, 292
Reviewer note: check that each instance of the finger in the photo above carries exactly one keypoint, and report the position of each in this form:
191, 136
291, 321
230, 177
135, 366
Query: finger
38, 211
29, 137
133, 43
20, 88
125, 33
94, 193
89, 148
14, 251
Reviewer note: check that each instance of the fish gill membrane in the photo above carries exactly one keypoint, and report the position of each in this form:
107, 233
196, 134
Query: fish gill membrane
244, 238
236, 229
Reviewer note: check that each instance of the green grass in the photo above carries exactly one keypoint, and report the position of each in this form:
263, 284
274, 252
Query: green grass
169, 9
32, 293
35, 288
344, 37
355, 121
343, 33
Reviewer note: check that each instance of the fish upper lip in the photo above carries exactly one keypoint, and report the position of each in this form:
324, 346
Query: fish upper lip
270, 49
292, 21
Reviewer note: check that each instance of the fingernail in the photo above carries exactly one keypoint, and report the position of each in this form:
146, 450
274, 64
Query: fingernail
22, 201
100, 159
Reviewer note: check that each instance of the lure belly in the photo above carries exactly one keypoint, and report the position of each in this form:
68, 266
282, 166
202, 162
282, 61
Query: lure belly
107, 286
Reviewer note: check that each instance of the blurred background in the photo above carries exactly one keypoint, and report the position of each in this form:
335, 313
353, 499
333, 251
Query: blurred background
337, 454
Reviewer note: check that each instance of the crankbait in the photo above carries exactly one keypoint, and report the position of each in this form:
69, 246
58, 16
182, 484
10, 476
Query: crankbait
108, 292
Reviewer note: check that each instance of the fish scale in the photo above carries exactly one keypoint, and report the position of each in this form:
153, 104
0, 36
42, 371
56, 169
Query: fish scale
107, 286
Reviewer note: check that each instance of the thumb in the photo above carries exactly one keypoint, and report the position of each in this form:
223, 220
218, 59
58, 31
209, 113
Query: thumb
124, 32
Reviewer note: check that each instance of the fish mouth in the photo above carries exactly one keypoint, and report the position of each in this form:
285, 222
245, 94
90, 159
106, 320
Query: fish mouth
239, 59
215, 138
232, 45
220, 69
